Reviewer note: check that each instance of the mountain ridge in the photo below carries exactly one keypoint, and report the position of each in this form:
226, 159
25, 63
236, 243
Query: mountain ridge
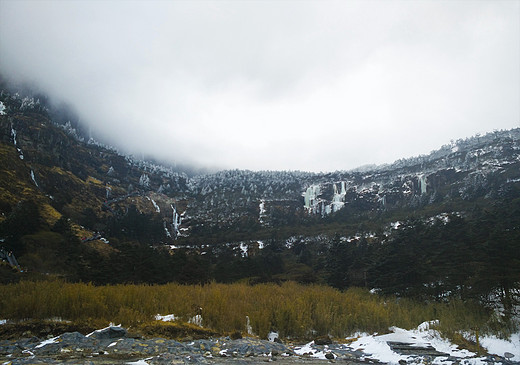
77, 209
456, 170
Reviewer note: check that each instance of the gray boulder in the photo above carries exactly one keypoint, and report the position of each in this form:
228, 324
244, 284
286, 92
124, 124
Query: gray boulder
109, 333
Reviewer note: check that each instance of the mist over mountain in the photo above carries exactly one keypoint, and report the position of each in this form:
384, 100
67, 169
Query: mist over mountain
313, 86
436, 226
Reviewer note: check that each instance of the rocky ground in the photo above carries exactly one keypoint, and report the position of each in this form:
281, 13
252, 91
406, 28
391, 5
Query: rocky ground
112, 345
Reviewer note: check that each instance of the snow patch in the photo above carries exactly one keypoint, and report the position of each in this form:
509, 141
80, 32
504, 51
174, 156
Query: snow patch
425, 326
273, 336
34, 179
2, 108
156, 206
166, 318
196, 320
499, 347
168, 234
395, 225
261, 208
13, 134
103, 329
47, 342
30, 353
376, 347
289, 243
309, 350
243, 249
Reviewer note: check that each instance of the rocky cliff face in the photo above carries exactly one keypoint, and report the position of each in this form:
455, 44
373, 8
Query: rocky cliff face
482, 167
477, 167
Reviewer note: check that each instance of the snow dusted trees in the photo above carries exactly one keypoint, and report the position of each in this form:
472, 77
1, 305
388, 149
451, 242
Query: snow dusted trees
144, 181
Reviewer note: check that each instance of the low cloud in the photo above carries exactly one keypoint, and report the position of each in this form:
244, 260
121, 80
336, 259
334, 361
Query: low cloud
319, 86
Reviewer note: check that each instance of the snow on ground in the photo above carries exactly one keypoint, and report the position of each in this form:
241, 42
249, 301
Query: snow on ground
157, 209
166, 318
499, 347
102, 329
376, 346
243, 249
34, 179
272, 336
3, 321
395, 225
139, 362
310, 350
261, 208
47, 342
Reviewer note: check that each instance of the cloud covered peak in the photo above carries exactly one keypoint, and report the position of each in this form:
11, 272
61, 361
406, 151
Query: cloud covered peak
272, 85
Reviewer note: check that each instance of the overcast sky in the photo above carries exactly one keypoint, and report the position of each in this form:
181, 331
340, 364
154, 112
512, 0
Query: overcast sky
292, 85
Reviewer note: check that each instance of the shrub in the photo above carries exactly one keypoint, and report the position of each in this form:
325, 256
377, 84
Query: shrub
294, 310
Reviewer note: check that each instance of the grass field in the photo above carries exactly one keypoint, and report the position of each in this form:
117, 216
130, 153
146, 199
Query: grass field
293, 310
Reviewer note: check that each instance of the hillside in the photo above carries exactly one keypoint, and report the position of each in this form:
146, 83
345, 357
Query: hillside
437, 226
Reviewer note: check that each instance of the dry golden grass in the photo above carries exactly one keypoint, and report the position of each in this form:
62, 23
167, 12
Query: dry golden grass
49, 214
80, 231
175, 330
294, 310
93, 180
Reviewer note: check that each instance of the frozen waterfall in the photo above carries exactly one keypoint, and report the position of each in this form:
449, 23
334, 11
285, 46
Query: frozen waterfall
422, 183
316, 205
338, 198
311, 198
177, 220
